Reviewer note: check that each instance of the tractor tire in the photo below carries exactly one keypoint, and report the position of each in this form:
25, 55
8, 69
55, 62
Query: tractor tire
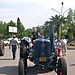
62, 67
21, 68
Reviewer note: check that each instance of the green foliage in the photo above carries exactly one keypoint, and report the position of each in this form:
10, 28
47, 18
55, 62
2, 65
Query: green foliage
21, 29
4, 29
28, 32
71, 25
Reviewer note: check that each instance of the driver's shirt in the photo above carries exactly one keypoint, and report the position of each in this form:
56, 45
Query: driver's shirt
35, 35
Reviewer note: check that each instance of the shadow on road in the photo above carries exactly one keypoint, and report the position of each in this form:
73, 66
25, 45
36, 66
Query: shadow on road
72, 65
6, 59
9, 70
36, 71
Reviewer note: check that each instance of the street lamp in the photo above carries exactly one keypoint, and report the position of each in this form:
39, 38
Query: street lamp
61, 8
58, 25
65, 11
61, 14
55, 11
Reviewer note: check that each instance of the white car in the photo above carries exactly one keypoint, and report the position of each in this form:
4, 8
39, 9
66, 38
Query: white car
6, 42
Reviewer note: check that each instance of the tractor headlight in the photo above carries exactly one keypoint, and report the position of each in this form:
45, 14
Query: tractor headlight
30, 55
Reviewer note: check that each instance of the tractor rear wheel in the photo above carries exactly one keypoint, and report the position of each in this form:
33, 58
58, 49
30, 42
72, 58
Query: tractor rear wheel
62, 67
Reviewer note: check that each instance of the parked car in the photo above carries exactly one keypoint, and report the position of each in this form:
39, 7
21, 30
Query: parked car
6, 42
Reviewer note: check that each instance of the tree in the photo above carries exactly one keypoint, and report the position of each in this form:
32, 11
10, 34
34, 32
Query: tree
21, 29
3, 29
69, 16
46, 28
71, 25
28, 32
56, 25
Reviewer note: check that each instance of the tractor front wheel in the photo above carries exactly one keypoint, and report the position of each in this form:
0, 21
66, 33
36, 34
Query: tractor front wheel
21, 67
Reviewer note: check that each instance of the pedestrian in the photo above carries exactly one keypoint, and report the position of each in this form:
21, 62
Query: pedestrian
14, 44
64, 46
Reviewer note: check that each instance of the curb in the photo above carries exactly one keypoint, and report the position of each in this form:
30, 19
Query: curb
70, 48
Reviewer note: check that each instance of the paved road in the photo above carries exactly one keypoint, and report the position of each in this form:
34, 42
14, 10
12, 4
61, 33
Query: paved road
10, 67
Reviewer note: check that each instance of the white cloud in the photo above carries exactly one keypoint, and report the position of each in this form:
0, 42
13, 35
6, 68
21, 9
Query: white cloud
32, 12
5, 11
9, 1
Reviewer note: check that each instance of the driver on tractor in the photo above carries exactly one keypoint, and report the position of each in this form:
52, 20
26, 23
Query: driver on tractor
34, 34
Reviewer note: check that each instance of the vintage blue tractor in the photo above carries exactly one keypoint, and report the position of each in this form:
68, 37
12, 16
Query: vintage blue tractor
43, 54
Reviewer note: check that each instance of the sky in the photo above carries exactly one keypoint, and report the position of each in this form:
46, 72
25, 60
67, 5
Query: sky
32, 12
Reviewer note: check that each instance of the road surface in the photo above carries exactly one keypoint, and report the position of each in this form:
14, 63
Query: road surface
8, 66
